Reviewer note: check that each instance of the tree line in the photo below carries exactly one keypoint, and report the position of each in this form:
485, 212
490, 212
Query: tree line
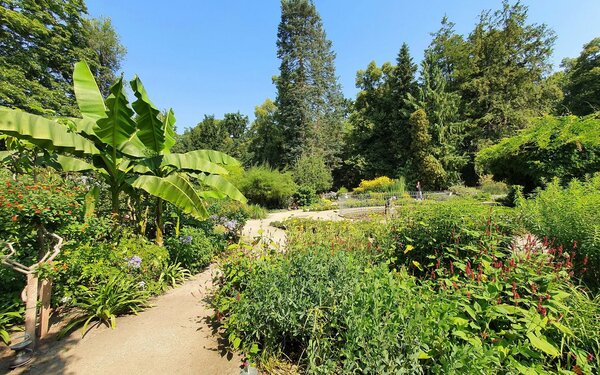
425, 122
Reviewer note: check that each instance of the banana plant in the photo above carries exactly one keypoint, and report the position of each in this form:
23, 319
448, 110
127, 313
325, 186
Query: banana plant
128, 145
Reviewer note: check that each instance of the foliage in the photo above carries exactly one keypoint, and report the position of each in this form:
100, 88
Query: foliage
582, 76
226, 135
173, 275
377, 142
423, 167
309, 98
41, 42
569, 217
264, 135
310, 171
322, 204
336, 301
470, 192
257, 212
382, 183
106, 301
192, 248
267, 187
565, 147
305, 196
130, 146
10, 315
488, 185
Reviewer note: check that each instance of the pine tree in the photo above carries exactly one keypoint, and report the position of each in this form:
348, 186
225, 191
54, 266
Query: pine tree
442, 109
309, 99
582, 76
423, 166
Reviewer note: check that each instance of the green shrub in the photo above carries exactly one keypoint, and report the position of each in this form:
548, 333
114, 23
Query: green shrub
336, 311
257, 212
311, 172
11, 314
267, 187
570, 217
192, 248
488, 185
305, 196
447, 227
565, 147
104, 302
470, 192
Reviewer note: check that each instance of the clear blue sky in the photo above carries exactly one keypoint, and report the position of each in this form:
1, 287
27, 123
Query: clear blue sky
212, 57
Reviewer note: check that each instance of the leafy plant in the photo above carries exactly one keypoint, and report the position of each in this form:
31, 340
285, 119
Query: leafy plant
193, 249
173, 274
569, 217
267, 187
10, 314
104, 302
131, 147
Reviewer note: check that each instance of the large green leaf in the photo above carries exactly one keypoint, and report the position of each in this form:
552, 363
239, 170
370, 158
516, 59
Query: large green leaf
89, 98
42, 132
193, 163
169, 126
221, 185
214, 156
540, 342
174, 190
150, 127
118, 127
71, 164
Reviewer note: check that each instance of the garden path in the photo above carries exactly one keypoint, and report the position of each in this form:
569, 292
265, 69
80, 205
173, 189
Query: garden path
253, 228
173, 337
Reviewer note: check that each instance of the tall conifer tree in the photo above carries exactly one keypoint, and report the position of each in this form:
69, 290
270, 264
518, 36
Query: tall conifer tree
309, 98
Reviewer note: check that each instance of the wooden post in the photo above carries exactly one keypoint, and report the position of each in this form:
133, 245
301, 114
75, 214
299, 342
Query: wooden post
46, 293
31, 307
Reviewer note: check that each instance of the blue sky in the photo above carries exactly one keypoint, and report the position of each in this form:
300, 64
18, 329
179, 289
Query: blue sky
213, 57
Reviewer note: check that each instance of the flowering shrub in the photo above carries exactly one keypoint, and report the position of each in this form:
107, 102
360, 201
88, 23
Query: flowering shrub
192, 248
382, 183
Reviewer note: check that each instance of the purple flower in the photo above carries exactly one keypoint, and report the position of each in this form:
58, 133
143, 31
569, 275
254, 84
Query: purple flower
213, 217
134, 262
186, 240
230, 225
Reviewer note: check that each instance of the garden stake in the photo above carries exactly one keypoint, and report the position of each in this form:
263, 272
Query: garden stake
25, 349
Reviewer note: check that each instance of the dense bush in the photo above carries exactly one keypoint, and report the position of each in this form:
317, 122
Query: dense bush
267, 187
305, 196
570, 217
382, 183
192, 248
564, 147
488, 185
311, 172
469, 192
340, 311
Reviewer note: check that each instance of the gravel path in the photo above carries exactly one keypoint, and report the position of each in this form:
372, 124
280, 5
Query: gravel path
253, 228
173, 337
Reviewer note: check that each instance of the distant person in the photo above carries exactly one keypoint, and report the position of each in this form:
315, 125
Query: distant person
389, 204
419, 191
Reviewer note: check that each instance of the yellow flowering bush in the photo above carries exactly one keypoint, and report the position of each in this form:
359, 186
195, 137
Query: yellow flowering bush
378, 184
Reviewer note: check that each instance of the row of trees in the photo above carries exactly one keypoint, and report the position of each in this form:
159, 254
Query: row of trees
424, 122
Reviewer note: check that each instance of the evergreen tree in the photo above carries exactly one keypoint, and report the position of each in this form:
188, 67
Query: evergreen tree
503, 82
582, 80
423, 166
309, 99
442, 109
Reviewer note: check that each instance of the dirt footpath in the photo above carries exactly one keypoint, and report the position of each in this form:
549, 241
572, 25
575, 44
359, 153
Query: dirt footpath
253, 228
173, 337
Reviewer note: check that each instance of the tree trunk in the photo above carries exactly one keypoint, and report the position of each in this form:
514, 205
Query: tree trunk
160, 223
31, 307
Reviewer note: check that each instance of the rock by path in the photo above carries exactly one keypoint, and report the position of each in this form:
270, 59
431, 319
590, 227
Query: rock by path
253, 228
173, 337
